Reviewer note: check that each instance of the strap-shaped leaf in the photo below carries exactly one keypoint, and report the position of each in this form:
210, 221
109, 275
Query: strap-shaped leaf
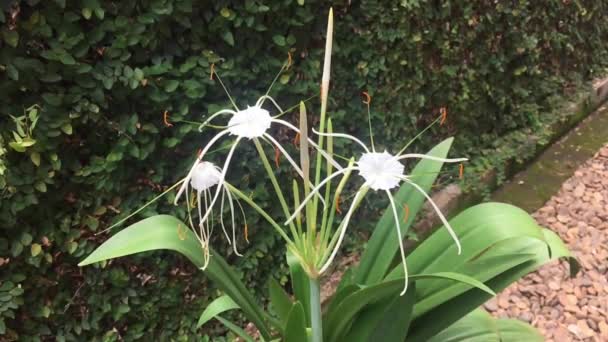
295, 329
216, 307
299, 284
235, 329
481, 269
280, 301
168, 232
442, 316
351, 305
478, 228
383, 244
387, 320
479, 326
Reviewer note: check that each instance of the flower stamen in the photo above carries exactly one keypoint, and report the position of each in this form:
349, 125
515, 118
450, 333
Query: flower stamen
461, 171
277, 157
444, 115
166, 119
406, 212
368, 99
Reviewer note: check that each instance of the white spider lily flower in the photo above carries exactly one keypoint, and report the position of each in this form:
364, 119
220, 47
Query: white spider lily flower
203, 176
381, 171
250, 123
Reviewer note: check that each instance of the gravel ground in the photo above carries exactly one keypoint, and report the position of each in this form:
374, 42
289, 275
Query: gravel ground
566, 309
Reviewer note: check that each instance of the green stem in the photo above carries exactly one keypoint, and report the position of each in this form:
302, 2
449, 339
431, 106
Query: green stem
315, 310
260, 211
277, 188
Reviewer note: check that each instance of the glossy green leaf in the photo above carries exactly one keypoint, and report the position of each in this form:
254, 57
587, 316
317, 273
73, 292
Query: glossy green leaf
387, 320
339, 319
479, 326
295, 329
216, 307
487, 232
235, 329
168, 232
280, 301
299, 283
383, 244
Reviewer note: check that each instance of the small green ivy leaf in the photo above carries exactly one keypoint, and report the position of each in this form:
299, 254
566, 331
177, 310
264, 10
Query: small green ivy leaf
279, 40
87, 13
67, 128
228, 37
26, 239
35, 249
10, 37
35, 157
40, 186
12, 72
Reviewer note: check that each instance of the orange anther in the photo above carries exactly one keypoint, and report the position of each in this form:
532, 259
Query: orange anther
296, 140
277, 156
199, 153
461, 171
289, 60
181, 233
368, 99
338, 200
166, 119
246, 233
444, 115
212, 71
406, 213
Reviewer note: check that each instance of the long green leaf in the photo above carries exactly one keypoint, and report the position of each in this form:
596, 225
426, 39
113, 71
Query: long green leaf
479, 326
482, 269
387, 320
442, 316
299, 283
280, 301
295, 330
216, 307
235, 329
383, 244
168, 232
351, 305
478, 228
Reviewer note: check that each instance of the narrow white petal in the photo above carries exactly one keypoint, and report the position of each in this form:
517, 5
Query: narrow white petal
261, 100
343, 135
292, 162
223, 176
424, 156
343, 226
311, 142
214, 115
441, 217
222, 216
236, 251
401, 249
315, 190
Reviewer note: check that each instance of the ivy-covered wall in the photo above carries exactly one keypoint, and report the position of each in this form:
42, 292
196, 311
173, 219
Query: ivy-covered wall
84, 85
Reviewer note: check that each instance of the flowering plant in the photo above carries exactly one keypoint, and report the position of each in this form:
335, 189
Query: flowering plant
480, 251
